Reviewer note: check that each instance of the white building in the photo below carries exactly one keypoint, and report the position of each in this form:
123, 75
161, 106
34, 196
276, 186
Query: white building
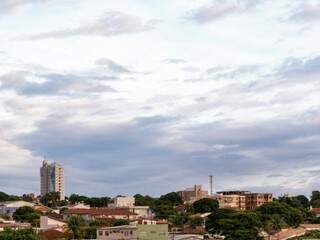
52, 179
49, 222
12, 206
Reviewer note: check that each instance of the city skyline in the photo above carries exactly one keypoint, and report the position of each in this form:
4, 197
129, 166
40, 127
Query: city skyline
152, 96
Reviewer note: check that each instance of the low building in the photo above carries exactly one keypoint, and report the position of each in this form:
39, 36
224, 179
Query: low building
100, 213
11, 207
122, 202
191, 195
142, 211
14, 225
79, 206
51, 222
153, 231
118, 233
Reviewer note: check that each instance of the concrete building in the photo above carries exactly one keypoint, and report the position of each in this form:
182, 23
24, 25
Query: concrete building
100, 213
51, 222
142, 211
255, 200
122, 202
233, 201
153, 231
245, 200
12, 206
191, 195
118, 233
52, 179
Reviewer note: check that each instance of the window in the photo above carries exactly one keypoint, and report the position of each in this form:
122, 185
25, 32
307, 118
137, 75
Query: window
100, 233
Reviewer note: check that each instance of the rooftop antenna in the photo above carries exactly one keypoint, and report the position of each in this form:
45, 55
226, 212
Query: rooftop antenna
211, 184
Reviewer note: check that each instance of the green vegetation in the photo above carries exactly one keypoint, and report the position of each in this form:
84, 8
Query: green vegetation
27, 214
309, 235
5, 197
93, 202
205, 205
25, 234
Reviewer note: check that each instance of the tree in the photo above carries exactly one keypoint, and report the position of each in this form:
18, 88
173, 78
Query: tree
141, 200
93, 202
27, 214
76, 225
273, 225
291, 216
51, 199
177, 220
205, 205
315, 199
234, 225
5, 197
24, 234
172, 198
121, 222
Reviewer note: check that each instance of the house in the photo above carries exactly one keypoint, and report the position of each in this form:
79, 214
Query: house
153, 231
316, 211
118, 233
11, 207
100, 213
79, 206
52, 222
52, 234
14, 225
142, 211
122, 202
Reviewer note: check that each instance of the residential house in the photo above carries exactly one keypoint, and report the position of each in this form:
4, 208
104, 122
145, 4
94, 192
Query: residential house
11, 207
118, 233
100, 213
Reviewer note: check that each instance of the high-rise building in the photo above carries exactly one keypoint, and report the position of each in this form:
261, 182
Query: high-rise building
52, 179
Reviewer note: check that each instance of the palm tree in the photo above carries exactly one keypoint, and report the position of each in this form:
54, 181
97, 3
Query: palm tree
75, 224
274, 225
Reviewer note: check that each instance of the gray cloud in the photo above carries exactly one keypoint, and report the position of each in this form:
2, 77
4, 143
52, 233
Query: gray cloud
110, 24
143, 148
52, 84
222, 8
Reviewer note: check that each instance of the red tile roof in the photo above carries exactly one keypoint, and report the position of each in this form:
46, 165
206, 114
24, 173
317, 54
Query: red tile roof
316, 210
100, 212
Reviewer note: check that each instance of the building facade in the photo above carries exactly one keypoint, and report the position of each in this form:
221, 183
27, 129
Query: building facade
245, 200
153, 231
118, 233
52, 179
233, 201
191, 195
255, 200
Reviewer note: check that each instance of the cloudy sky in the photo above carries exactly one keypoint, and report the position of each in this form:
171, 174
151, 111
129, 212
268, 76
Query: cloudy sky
136, 96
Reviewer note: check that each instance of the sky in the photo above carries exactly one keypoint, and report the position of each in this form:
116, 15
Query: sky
135, 96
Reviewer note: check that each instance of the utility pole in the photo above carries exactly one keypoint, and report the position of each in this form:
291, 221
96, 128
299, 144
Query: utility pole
211, 184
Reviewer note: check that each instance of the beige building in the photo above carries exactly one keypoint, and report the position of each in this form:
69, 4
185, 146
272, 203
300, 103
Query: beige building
255, 200
245, 200
100, 213
122, 202
233, 201
52, 179
191, 195
118, 233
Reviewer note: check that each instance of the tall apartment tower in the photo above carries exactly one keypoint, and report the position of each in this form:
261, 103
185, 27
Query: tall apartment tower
52, 179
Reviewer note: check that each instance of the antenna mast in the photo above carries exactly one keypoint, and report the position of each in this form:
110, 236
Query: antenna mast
211, 184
